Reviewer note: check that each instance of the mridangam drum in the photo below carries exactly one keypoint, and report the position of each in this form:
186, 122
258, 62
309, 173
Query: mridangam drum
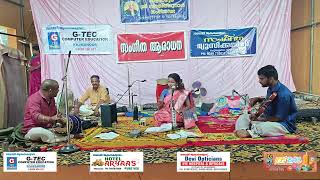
74, 124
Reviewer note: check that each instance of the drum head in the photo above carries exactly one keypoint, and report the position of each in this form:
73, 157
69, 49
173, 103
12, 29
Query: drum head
75, 124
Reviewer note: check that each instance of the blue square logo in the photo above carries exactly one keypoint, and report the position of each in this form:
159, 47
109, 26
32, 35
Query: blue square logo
12, 163
54, 40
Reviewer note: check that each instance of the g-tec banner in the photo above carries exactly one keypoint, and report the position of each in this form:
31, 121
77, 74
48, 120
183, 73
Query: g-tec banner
152, 11
223, 42
151, 47
80, 39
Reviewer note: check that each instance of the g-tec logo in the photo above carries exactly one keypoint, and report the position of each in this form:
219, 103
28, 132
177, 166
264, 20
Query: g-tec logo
54, 37
12, 160
12, 163
54, 40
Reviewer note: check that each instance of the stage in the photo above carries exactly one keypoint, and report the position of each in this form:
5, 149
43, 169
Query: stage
240, 153
160, 162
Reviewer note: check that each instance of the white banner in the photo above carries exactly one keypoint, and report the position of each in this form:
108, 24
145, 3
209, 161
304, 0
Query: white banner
30, 162
116, 161
79, 39
203, 162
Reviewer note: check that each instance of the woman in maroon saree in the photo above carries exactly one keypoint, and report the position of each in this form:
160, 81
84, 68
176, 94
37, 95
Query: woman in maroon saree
35, 71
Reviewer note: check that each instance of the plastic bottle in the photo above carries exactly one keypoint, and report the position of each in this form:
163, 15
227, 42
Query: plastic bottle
135, 113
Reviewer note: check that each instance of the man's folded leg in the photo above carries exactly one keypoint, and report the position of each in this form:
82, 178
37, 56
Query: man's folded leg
44, 135
242, 124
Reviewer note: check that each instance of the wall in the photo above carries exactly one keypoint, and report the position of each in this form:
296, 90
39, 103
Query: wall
306, 75
10, 17
219, 75
12, 41
300, 38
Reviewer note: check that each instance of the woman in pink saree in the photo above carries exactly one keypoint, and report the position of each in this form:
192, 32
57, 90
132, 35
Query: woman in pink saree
183, 104
35, 71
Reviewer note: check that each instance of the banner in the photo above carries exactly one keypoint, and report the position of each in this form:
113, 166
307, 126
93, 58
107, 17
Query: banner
223, 42
116, 161
203, 162
151, 47
30, 162
146, 11
79, 39
290, 161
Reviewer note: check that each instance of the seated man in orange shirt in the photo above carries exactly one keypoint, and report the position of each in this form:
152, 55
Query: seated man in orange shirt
97, 95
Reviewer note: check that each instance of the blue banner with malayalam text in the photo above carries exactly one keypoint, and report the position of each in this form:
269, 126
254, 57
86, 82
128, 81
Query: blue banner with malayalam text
223, 42
154, 11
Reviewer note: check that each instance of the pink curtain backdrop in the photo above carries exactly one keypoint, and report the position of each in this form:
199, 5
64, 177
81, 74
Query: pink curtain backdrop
219, 75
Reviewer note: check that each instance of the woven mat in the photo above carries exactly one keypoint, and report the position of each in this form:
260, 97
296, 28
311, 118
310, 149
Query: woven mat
160, 140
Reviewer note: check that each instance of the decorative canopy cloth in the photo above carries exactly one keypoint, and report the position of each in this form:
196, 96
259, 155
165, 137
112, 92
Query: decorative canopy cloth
13, 88
272, 18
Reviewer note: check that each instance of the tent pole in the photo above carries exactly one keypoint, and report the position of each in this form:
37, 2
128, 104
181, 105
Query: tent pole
311, 47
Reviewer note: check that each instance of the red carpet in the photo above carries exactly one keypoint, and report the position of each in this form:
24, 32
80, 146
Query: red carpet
223, 127
208, 124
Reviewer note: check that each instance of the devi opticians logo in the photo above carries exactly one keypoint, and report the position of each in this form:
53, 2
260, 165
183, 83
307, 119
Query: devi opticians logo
203, 161
116, 162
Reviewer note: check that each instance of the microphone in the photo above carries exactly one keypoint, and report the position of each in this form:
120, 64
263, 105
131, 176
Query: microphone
69, 54
136, 81
232, 94
173, 87
234, 91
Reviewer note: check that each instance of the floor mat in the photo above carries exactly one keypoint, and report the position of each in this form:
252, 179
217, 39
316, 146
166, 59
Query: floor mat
239, 153
160, 140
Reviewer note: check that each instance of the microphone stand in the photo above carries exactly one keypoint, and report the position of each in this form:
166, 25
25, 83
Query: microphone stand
173, 111
68, 148
244, 96
130, 95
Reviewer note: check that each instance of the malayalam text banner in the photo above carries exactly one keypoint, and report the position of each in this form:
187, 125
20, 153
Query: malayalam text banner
151, 47
223, 42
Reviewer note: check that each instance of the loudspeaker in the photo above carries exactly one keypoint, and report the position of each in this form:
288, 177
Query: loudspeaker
108, 114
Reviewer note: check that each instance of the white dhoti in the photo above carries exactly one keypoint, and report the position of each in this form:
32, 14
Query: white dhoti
45, 135
260, 129
87, 110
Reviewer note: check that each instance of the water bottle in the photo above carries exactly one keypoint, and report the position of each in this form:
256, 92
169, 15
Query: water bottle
135, 113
